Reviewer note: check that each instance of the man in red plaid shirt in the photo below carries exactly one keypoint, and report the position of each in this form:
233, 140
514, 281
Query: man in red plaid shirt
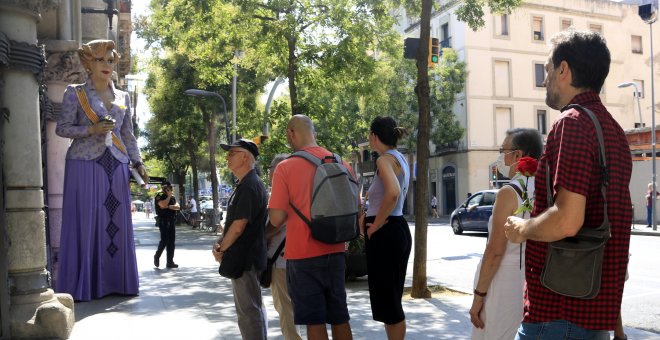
576, 70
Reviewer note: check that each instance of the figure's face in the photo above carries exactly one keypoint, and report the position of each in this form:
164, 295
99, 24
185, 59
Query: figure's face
101, 67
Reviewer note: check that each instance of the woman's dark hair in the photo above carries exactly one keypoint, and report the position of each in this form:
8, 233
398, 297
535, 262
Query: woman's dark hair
586, 54
529, 141
386, 130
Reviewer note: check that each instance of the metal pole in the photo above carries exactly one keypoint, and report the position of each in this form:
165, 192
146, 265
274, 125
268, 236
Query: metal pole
233, 102
653, 200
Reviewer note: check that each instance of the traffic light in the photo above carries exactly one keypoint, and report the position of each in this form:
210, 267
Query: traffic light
434, 51
259, 139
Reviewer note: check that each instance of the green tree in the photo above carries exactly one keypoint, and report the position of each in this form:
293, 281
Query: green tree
302, 37
175, 128
472, 11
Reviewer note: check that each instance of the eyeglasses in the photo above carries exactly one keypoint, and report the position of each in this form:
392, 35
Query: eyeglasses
504, 151
232, 153
106, 61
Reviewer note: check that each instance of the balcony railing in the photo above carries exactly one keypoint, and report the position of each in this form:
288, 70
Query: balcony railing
446, 43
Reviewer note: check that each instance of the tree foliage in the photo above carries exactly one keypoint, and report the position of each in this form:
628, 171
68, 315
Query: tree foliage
472, 11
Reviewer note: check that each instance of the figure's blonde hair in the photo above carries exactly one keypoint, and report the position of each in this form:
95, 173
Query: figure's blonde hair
96, 49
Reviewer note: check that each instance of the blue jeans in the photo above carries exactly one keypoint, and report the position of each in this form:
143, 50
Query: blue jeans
649, 215
558, 330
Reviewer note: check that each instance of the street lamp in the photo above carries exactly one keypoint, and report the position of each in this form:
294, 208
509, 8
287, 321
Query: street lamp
237, 54
203, 93
648, 13
214, 174
637, 94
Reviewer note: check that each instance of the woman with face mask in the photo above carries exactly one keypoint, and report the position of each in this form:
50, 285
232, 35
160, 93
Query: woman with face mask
497, 306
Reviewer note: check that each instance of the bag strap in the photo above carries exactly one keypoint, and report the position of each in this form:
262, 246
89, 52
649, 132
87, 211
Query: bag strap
604, 228
278, 251
94, 118
516, 188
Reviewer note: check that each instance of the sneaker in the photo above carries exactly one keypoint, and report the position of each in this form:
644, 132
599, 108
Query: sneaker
648, 226
156, 261
172, 265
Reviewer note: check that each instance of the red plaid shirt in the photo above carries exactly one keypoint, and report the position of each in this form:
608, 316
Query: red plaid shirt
572, 153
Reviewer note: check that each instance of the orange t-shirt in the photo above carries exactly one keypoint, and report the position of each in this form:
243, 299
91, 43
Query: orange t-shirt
292, 182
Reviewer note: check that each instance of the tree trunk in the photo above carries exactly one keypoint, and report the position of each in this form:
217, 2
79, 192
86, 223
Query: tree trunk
420, 288
193, 165
211, 130
291, 73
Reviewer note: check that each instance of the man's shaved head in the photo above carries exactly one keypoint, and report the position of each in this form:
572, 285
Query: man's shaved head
300, 132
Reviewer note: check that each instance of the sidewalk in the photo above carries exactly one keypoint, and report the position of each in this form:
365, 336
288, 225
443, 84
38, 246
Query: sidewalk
194, 302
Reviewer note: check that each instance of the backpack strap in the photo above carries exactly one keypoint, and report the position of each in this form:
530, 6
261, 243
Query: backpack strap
316, 162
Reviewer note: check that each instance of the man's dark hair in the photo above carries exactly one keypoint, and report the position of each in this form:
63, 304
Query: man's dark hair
587, 56
527, 140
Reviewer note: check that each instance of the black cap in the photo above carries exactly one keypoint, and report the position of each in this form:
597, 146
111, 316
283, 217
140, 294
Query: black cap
243, 143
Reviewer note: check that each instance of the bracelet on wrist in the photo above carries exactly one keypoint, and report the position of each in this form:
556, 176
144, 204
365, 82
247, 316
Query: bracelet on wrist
478, 293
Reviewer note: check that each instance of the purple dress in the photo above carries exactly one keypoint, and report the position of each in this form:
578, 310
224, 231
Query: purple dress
97, 250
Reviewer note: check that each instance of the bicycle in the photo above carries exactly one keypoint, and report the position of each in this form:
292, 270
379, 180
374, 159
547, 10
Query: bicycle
185, 214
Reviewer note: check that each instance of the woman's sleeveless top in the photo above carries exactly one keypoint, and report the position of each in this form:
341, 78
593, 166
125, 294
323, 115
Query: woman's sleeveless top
377, 190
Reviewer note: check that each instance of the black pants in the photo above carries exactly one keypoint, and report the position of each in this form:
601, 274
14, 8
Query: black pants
167, 235
388, 251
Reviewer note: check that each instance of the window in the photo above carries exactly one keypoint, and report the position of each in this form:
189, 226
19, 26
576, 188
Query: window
636, 42
502, 25
537, 28
596, 28
489, 198
502, 82
539, 75
541, 117
566, 23
445, 39
502, 122
640, 87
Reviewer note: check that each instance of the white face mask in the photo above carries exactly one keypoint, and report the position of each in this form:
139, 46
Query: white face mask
501, 167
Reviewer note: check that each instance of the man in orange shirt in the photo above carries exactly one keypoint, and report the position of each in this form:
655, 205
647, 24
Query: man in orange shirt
315, 270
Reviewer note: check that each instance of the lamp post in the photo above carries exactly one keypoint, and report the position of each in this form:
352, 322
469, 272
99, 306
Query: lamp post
637, 95
214, 174
648, 13
237, 54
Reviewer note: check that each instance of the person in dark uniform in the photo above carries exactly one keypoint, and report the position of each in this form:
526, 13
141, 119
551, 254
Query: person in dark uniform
166, 208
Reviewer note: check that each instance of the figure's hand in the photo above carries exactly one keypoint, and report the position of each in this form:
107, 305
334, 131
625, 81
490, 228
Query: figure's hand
513, 229
143, 173
102, 127
475, 311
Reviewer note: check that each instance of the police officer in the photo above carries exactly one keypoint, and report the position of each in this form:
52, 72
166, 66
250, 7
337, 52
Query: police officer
166, 208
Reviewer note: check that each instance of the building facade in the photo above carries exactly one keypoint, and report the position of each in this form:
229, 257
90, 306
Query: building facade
504, 89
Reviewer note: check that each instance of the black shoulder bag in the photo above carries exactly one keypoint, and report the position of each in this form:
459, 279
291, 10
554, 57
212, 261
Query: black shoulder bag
266, 276
573, 266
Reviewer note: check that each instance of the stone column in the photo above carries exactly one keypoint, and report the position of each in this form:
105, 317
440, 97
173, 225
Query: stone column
35, 310
63, 68
94, 26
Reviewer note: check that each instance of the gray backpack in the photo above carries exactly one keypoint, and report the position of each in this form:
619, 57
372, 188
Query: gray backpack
333, 202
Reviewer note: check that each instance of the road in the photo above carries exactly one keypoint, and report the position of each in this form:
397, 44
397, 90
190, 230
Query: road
452, 260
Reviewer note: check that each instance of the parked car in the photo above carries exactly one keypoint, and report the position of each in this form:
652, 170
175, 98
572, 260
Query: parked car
474, 213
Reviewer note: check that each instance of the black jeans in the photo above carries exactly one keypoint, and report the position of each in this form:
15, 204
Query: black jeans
167, 236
